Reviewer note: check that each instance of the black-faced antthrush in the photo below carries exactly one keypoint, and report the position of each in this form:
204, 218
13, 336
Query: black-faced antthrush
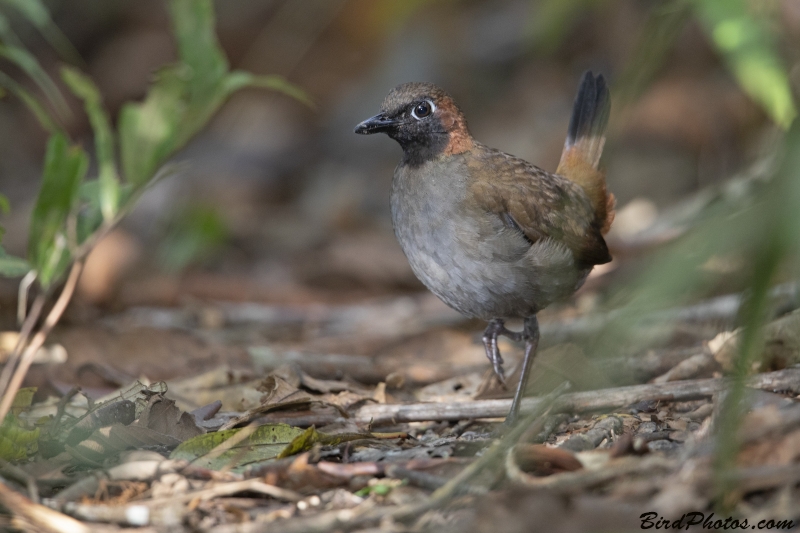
490, 234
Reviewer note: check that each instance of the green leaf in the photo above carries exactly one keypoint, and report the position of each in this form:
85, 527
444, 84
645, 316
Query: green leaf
64, 170
90, 217
302, 443
17, 442
85, 89
185, 96
148, 131
745, 41
23, 400
12, 267
198, 47
379, 489
266, 442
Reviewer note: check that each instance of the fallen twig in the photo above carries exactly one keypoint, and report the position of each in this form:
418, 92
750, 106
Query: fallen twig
13, 471
701, 363
164, 510
27, 327
35, 517
38, 340
579, 480
577, 402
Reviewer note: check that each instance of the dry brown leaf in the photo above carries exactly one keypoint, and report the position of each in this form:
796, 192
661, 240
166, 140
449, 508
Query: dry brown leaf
770, 451
163, 415
541, 460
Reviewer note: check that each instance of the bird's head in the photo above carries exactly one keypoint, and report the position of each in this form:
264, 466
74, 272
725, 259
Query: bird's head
423, 119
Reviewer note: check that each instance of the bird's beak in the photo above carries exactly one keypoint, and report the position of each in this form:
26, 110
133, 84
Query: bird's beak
377, 124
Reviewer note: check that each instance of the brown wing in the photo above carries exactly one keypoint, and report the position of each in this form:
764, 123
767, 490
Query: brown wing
539, 204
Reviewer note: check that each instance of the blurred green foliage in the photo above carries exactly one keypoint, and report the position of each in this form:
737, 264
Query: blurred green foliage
64, 170
10, 265
71, 212
742, 32
194, 235
776, 247
16, 440
553, 19
11, 48
760, 229
744, 38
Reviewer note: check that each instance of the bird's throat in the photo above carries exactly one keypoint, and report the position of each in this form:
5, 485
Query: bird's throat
417, 152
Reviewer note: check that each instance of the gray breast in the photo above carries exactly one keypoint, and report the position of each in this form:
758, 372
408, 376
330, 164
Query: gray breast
468, 257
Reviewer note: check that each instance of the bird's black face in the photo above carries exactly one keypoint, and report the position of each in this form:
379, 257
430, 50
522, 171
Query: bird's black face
416, 116
413, 124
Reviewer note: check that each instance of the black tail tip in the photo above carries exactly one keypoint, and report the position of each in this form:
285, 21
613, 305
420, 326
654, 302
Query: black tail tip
591, 109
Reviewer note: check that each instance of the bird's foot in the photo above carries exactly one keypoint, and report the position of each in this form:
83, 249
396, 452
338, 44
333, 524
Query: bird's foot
496, 328
531, 336
493, 352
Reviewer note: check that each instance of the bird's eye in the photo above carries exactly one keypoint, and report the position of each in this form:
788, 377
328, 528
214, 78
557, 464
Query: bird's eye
422, 110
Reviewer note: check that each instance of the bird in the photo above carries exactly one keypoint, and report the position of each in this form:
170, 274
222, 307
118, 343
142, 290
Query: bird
490, 234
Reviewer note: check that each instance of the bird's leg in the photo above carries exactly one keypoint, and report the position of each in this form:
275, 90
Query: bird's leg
531, 335
496, 328
490, 335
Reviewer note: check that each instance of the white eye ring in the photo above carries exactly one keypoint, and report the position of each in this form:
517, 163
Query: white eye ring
419, 111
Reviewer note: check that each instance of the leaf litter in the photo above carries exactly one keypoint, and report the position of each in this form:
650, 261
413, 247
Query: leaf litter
299, 447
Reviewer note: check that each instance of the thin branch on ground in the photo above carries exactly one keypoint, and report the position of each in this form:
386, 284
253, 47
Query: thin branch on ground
38, 340
27, 327
576, 402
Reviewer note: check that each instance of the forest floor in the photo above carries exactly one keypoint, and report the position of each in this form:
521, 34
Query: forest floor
382, 414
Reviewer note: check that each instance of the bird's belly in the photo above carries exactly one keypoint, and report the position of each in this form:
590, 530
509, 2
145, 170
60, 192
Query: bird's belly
486, 274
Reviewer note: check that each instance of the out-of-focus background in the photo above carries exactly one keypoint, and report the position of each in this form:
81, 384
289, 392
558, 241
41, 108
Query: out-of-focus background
280, 203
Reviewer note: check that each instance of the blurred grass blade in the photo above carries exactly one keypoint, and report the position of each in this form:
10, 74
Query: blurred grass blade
744, 39
33, 104
779, 239
25, 60
12, 267
37, 14
28, 63
85, 89
64, 170
239, 79
662, 29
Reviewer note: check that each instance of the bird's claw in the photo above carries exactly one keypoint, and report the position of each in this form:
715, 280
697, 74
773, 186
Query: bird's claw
497, 365
493, 330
